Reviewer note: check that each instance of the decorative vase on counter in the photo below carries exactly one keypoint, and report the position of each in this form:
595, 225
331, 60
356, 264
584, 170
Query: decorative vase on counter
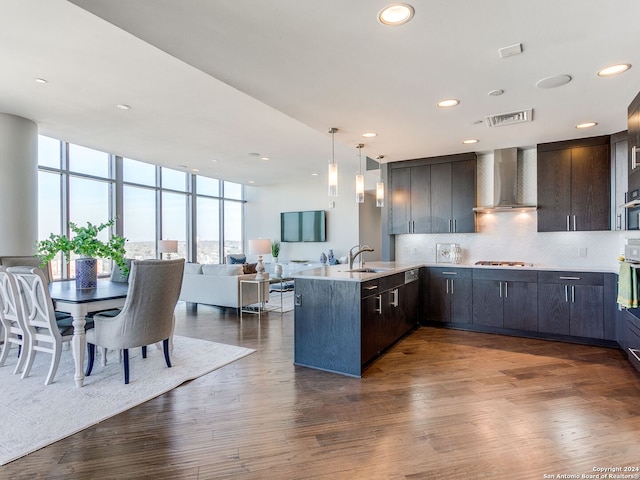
278, 270
323, 258
86, 273
331, 258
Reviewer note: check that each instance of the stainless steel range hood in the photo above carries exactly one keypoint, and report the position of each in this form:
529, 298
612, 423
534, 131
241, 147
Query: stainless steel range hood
505, 184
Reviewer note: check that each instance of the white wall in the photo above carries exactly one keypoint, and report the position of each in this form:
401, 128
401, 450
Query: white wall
265, 203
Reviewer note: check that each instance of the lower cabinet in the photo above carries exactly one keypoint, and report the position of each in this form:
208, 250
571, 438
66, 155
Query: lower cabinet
450, 295
571, 303
631, 341
505, 299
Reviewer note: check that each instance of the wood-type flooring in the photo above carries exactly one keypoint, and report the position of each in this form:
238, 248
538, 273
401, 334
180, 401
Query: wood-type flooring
441, 404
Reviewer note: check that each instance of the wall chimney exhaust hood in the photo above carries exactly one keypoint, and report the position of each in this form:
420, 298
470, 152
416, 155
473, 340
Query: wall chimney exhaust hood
505, 184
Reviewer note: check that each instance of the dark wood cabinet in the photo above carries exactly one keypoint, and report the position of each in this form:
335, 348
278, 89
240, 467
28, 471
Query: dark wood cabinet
571, 303
574, 185
505, 299
433, 195
410, 200
631, 340
450, 295
633, 132
453, 197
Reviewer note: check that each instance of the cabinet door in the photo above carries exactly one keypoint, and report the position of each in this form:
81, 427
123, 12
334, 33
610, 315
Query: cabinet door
439, 304
461, 294
420, 199
553, 308
487, 303
400, 200
370, 328
464, 196
633, 131
587, 311
408, 308
520, 300
590, 188
554, 190
441, 198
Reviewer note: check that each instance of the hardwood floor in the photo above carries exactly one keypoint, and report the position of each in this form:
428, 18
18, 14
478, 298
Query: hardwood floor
442, 404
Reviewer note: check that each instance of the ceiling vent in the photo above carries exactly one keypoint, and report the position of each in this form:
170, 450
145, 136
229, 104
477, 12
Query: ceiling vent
510, 118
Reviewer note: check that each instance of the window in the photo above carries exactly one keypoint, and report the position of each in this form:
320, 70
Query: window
139, 220
84, 191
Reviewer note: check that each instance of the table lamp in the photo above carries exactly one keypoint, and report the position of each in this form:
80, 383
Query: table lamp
261, 246
168, 247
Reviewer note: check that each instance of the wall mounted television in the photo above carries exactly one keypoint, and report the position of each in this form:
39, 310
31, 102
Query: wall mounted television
309, 226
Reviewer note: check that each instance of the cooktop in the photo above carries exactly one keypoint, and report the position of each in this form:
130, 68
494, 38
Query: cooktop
501, 263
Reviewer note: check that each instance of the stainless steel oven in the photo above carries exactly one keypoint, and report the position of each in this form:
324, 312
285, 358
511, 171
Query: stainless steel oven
632, 250
633, 210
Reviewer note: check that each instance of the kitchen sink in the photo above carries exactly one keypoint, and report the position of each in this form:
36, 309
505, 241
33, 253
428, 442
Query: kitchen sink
368, 270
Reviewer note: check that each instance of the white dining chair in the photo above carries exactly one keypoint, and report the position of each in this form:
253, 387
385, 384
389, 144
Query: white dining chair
45, 333
12, 319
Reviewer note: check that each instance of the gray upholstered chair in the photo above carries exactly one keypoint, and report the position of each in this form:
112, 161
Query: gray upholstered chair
12, 319
46, 331
147, 316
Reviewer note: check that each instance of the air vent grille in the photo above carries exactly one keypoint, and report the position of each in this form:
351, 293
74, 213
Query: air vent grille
510, 118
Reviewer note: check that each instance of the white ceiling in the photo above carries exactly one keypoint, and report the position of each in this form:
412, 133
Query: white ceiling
212, 81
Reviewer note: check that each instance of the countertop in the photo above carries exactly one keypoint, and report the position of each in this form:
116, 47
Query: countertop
340, 272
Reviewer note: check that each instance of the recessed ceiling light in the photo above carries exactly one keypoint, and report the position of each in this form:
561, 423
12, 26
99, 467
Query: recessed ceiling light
614, 70
396, 14
40, 80
122, 106
369, 134
496, 93
587, 125
251, 181
471, 140
264, 158
451, 102
195, 169
214, 160
314, 174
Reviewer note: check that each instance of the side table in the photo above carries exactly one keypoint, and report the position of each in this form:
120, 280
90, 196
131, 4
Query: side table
259, 284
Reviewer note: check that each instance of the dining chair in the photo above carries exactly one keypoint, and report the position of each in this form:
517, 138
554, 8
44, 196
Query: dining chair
147, 316
12, 319
46, 332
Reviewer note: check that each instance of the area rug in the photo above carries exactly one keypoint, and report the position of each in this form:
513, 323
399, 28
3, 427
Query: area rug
35, 415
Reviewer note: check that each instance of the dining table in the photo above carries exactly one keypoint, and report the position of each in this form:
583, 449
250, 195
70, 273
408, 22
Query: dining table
79, 302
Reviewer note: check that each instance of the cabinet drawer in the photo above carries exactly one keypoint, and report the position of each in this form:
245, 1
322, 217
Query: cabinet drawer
571, 278
368, 288
450, 272
391, 281
529, 276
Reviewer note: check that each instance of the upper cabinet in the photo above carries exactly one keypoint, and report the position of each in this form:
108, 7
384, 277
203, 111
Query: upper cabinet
574, 185
433, 195
633, 130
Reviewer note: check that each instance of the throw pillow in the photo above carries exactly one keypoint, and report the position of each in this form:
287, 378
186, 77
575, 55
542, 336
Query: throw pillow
235, 259
249, 268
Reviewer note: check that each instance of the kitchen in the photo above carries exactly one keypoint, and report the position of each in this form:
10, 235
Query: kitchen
578, 265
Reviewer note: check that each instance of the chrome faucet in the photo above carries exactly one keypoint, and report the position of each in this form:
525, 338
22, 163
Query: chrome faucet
352, 256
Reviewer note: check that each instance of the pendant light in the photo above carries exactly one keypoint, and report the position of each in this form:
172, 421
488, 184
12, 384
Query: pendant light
380, 185
333, 167
360, 177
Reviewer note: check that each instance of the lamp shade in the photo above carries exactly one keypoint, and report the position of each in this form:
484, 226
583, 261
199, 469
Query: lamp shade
261, 246
167, 246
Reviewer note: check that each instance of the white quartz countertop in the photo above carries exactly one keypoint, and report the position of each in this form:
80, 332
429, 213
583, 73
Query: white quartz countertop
381, 269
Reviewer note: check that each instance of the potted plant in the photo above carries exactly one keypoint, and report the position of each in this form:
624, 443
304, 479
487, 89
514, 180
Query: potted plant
88, 247
275, 250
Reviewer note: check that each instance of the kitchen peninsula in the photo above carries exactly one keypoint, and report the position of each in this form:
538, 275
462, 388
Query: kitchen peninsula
345, 319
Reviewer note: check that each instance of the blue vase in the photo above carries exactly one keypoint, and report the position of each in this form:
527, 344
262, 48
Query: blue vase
86, 273
323, 258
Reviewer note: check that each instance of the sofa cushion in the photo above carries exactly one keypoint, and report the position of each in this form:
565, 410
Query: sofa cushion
193, 268
249, 268
222, 269
237, 258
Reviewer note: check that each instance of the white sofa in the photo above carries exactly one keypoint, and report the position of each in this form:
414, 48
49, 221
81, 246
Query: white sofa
219, 285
